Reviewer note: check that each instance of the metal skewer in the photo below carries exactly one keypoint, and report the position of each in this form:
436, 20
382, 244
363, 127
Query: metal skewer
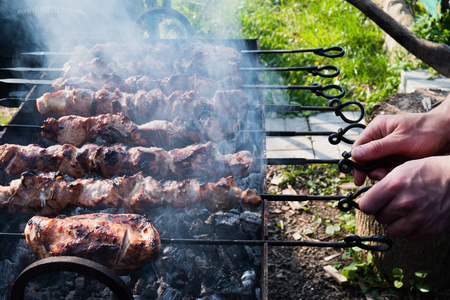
333, 137
350, 241
28, 69
315, 88
335, 51
327, 52
315, 70
26, 81
335, 106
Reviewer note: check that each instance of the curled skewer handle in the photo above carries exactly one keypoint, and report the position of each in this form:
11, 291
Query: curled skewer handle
384, 243
347, 203
335, 51
338, 105
338, 136
318, 71
321, 91
346, 165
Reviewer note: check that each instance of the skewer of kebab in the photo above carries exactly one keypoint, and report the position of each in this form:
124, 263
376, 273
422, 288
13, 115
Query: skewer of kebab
126, 242
118, 128
194, 161
118, 241
143, 106
49, 193
198, 58
111, 81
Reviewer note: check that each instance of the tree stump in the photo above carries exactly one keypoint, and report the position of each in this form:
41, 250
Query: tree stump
433, 255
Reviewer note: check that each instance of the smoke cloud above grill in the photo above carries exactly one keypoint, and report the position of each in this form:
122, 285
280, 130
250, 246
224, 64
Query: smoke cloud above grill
57, 24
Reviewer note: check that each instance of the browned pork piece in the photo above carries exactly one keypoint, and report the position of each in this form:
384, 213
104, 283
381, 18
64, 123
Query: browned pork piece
118, 128
50, 193
202, 85
143, 106
195, 161
118, 241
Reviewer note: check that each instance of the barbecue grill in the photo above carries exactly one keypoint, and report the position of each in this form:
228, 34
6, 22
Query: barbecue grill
221, 254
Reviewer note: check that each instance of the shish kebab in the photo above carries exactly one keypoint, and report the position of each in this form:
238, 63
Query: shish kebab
50, 193
143, 106
153, 61
117, 128
119, 241
203, 86
194, 161
126, 242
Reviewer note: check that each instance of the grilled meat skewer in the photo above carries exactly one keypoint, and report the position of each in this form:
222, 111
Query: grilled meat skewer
50, 193
143, 106
204, 86
118, 128
155, 60
123, 242
195, 161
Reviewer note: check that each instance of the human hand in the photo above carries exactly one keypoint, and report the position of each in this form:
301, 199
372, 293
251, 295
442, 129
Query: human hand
413, 199
395, 139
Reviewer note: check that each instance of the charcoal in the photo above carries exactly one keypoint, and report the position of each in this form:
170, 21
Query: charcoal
236, 254
170, 294
251, 223
254, 255
227, 224
213, 297
248, 282
220, 281
253, 181
198, 227
196, 212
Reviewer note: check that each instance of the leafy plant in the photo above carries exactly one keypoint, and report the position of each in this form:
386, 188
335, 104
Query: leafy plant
432, 29
361, 270
419, 284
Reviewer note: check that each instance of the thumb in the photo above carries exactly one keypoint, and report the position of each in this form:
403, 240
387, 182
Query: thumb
375, 149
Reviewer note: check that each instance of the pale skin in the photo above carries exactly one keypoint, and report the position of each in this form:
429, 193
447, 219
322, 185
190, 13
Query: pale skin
413, 194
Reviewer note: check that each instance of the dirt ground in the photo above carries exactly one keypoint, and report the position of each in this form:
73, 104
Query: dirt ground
298, 272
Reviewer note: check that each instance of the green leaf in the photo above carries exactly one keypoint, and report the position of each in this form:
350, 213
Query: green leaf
307, 231
337, 265
351, 267
280, 224
349, 273
422, 274
397, 273
369, 258
331, 229
423, 287
398, 284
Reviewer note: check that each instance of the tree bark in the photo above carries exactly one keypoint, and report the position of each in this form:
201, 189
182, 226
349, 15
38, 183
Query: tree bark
433, 255
435, 55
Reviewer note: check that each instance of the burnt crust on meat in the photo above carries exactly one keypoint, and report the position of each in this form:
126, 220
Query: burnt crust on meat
96, 237
194, 161
49, 194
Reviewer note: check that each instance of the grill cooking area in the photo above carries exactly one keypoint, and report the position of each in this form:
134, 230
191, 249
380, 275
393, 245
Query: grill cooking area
141, 163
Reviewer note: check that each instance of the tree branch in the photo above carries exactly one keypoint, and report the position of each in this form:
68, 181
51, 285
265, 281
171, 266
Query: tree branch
435, 55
